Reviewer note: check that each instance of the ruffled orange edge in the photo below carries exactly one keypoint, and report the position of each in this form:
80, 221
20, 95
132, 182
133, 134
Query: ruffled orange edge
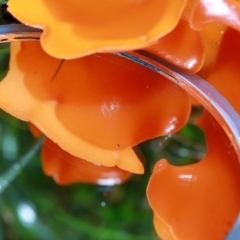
68, 169
29, 92
79, 28
18, 101
202, 200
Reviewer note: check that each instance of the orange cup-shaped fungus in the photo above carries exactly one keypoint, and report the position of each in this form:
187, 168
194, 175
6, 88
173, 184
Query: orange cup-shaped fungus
96, 107
225, 12
211, 36
225, 74
198, 201
182, 46
67, 169
189, 49
77, 28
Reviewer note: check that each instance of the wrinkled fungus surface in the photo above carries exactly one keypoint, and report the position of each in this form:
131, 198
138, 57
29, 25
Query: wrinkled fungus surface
198, 201
78, 28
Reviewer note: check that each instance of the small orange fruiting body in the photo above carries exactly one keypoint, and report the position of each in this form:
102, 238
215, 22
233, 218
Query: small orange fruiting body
96, 107
77, 28
68, 169
182, 46
198, 201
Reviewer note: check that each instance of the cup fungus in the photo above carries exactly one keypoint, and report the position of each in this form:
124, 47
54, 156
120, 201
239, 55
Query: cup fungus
67, 169
93, 106
77, 28
226, 12
100, 106
224, 76
187, 54
202, 200
195, 51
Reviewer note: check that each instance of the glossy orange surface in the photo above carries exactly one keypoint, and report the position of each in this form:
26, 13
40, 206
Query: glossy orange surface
225, 74
211, 36
107, 102
67, 169
182, 46
16, 99
225, 12
98, 107
106, 95
163, 229
198, 201
77, 28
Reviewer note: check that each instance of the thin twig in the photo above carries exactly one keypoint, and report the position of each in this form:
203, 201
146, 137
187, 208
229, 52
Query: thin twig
59, 67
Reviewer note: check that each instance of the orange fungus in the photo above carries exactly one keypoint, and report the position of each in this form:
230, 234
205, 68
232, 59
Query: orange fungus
182, 46
225, 74
77, 28
93, 106
99, 106
67, 169
189, 49
226, 12
198, 201
211, 35
34, 130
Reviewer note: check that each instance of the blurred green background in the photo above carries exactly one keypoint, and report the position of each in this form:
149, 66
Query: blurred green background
32, 206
